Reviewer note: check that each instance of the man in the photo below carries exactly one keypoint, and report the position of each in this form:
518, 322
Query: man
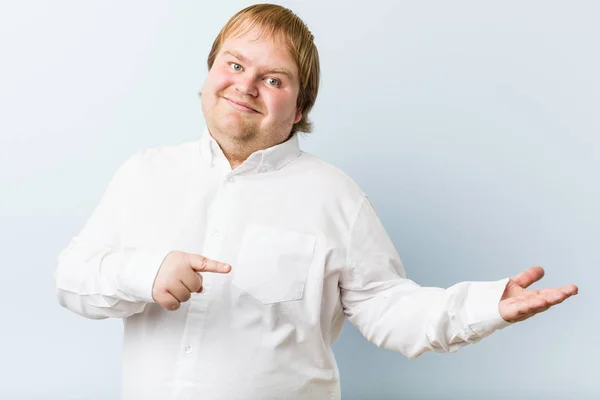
299, 246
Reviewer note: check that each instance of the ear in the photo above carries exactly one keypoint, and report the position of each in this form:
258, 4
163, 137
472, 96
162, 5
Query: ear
298, 116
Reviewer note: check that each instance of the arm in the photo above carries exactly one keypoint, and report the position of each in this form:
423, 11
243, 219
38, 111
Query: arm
397, 314
96, 277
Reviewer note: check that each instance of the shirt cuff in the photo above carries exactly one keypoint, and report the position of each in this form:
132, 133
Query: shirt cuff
481, 306
137, 278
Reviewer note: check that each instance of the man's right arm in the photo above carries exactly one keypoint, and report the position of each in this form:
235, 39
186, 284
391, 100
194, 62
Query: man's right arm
96, 277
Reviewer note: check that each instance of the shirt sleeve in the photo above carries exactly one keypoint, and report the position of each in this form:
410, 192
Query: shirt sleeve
96, 277
395, 313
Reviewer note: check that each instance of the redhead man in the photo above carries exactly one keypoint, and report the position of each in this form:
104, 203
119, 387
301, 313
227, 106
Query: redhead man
233, 260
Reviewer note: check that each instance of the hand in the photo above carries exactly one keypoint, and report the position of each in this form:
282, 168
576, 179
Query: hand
518, 304
180, 275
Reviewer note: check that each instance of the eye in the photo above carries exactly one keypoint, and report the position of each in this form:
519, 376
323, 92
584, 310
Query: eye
236, 67
273, 82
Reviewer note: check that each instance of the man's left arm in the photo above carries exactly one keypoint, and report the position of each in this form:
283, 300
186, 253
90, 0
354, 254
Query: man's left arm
397, 314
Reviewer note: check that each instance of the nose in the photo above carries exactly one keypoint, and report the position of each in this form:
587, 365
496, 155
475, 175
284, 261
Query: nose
246, 85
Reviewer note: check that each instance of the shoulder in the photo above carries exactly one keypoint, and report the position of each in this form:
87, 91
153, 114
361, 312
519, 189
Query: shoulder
169, 154
323, 175
164, 160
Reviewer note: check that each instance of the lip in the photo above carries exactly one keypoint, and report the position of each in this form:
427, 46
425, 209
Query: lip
241, 106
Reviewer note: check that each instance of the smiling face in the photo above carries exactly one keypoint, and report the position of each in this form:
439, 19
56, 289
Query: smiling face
249, 98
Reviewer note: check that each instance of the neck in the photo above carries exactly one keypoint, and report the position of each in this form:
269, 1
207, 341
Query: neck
238, 150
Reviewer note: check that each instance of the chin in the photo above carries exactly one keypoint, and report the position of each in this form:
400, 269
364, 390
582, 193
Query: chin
235, 128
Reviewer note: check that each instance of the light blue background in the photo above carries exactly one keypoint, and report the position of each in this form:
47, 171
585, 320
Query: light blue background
473, 126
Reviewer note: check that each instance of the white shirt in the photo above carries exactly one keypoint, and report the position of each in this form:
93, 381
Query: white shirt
307, 250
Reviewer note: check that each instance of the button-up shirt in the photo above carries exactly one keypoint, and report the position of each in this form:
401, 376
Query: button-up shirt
307, 250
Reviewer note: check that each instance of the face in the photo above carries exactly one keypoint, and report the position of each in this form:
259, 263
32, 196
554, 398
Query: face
249, 96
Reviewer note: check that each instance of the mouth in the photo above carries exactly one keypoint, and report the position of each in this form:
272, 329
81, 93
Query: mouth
241, 106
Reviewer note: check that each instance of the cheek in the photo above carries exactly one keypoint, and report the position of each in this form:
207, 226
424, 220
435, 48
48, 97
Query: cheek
216, 81
280, 104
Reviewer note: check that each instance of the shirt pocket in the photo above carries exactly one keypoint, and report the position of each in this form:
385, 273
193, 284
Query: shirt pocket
273, 263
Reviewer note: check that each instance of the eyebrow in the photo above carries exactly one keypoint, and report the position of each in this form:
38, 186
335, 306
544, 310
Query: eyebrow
236, 55
243, 59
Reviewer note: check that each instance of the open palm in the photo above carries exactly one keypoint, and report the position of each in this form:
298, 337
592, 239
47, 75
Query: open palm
518, 304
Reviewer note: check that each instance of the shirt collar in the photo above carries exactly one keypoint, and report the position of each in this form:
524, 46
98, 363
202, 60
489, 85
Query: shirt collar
272, 158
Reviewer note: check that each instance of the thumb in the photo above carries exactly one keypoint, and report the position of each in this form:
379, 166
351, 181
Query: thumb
529, 276
202, 264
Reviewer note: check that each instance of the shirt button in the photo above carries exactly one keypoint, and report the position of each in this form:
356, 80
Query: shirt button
231, 179
262, 169
188, 349
216, 232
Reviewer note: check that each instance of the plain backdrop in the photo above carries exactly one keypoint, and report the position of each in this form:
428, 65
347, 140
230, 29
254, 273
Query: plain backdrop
472, 125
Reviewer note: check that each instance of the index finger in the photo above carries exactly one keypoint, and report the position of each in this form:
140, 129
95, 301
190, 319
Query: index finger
202, 264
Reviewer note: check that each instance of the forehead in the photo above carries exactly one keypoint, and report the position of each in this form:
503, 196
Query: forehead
261, 46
